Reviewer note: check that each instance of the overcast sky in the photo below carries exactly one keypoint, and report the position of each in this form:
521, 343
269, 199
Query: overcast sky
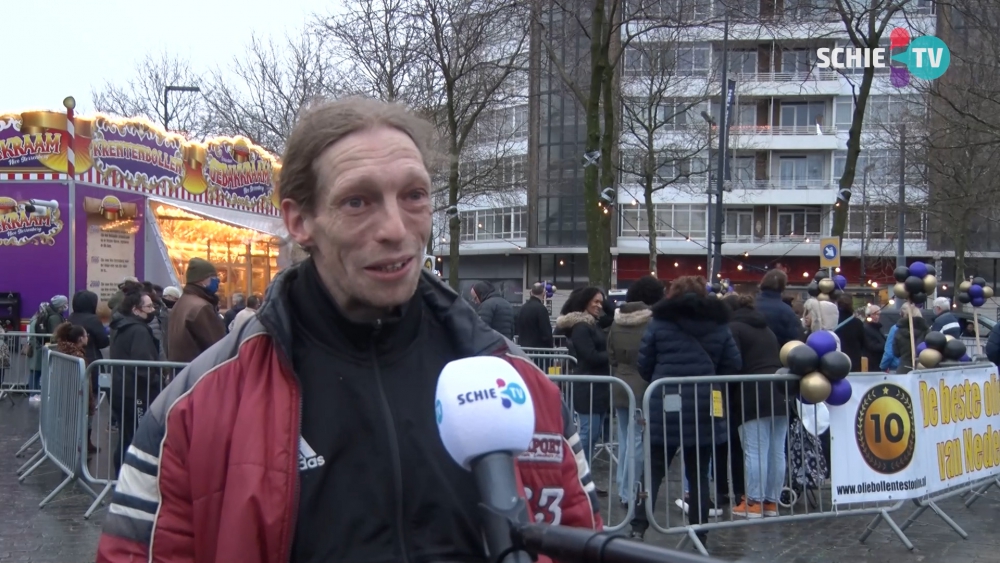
59, 48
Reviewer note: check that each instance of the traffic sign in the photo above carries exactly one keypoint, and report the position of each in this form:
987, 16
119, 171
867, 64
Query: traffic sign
829, 252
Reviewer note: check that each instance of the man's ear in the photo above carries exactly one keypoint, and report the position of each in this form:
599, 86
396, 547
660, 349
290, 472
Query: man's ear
296, 223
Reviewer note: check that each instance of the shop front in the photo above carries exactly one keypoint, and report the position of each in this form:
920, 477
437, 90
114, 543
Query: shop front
141, 203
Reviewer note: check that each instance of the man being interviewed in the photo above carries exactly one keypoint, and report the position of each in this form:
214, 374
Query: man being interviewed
311, 434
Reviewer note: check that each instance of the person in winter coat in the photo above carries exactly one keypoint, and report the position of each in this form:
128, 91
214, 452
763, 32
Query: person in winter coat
819, 315
874, 339
780, 316
851, 331
992, 349
688, 336
195, 324
49, 316
533, 327
73, 340
589, 345
945, 321
759, 413
129, 284
239, 303
494, 309
624, 339
170, 296
85, 315
133, 389
901, 340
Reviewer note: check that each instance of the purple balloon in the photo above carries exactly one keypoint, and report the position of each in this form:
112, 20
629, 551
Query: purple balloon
965, 358
840, 282
921, 347
978, 301
918, 269
823, 342
708, 287
975, 291
840, 393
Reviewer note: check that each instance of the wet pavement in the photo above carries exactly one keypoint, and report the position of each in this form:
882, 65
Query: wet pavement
59, 534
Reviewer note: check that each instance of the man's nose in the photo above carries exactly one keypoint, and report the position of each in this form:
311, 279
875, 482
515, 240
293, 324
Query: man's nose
391, 228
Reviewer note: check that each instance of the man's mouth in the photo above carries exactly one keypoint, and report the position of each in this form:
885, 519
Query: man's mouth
391, 267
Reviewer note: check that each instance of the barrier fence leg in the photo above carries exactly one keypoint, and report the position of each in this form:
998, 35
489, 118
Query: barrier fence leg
28, 444
30, 461
32, 468
974, 495
883, 516
56, 491
98, 501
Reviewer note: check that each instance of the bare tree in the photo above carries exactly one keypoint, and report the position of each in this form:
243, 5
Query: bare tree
663, 136
144, 95
476, 50
261, 94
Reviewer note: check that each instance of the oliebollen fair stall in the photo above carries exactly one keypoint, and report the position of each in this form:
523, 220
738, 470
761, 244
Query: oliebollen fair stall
140, 202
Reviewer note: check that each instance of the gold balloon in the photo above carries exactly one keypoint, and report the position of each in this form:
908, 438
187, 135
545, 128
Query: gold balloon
964, 286
930, 282
815, 387
900, 291
823, 297
948, 338
783, 354
827, 285
987, 292
930, 358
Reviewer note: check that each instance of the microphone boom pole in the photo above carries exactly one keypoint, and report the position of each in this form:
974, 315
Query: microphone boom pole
587, 546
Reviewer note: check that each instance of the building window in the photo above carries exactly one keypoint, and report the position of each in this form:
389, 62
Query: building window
802, 115
844, 112
799, 223
503, 223
673, 221
692, 60
742, 62
880, 222
494, 174
796, 61
882, 166
739, 225
501, 125
893, 110
800, 171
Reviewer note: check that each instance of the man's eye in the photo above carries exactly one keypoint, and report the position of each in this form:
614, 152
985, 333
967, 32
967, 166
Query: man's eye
354, 203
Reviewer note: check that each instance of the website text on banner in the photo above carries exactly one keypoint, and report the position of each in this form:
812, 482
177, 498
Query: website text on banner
907, 436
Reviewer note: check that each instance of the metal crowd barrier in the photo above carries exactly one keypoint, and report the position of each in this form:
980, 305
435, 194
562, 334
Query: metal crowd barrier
61, 420
552, 361
15, 375
131, 386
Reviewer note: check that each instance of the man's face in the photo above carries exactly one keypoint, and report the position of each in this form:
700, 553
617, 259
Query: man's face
372, 219
475, 298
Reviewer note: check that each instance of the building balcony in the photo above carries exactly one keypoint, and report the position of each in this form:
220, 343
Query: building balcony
778, 84
784, 137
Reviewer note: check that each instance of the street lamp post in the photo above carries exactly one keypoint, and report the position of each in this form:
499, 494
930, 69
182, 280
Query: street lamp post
708, 239
166, 100
864, 213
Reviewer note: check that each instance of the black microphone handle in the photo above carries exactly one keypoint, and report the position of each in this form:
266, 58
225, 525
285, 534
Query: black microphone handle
503, 506
579, 545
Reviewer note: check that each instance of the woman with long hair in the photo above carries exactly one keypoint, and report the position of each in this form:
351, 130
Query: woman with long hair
578, 320
688, 336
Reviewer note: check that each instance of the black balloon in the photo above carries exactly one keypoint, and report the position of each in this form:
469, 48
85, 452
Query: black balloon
964, 298
821, 275
802, 360
953, 350
901, 273
813, 289
835, 365
931, 270
978, 281
914, 285
920, 297
836, 294
936, 341
716, 287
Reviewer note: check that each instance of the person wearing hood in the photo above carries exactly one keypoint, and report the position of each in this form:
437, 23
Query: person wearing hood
874, 339
127, 286
758, 414
494, 309
132, 390
624, 339
85, 315
45, 321
688, 336
589, 345
851, 331
195, 324
901, 340
820, 315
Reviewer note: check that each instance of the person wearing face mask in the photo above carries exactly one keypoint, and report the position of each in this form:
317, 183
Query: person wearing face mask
131, 390
195, 324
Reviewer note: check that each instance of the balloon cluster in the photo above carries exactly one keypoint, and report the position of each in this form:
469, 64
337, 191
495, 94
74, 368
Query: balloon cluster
938, 347
915, 282
719, 288
821, 366
974, 292
825, 288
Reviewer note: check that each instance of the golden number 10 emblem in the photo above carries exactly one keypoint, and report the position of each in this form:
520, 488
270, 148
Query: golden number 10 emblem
884, 428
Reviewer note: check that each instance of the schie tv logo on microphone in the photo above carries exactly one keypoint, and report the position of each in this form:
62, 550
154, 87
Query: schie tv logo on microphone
925, 57
510, 394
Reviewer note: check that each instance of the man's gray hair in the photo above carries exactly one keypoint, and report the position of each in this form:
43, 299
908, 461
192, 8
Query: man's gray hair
238, 298
942, 303
538, 289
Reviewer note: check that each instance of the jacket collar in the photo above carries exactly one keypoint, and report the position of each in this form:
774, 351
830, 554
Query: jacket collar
198, 291
470, 335
569, 320
633, 314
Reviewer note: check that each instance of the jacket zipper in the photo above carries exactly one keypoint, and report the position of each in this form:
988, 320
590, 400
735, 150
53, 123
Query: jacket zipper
294, 502
397, 463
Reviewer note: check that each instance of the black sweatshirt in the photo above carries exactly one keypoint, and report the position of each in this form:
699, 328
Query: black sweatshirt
368, 427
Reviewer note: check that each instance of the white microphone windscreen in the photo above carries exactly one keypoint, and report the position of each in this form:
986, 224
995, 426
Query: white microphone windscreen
483, 406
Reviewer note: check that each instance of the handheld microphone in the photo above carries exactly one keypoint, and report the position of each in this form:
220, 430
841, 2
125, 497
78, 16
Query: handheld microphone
486, 417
